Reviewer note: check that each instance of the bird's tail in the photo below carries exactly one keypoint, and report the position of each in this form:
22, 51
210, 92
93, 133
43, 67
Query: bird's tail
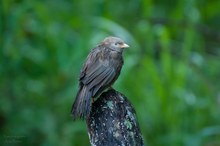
82, 105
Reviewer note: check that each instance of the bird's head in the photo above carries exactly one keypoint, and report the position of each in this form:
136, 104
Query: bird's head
115, 44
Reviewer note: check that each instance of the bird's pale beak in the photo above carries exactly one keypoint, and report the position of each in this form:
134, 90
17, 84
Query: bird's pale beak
124, 46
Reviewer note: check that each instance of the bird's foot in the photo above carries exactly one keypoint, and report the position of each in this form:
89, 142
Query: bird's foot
110, 88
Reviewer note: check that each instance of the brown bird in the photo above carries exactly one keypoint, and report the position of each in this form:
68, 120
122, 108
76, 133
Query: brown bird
100, 70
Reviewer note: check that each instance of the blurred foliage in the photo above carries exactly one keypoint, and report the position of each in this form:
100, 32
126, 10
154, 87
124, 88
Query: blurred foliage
171, 73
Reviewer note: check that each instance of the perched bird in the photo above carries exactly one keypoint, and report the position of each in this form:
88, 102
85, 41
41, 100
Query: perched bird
100, 70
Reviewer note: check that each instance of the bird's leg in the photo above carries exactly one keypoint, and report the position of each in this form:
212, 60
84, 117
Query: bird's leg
111, 88
93, 100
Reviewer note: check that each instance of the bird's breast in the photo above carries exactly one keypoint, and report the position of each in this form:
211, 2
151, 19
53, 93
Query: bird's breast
112, 59
116, 59
115, 55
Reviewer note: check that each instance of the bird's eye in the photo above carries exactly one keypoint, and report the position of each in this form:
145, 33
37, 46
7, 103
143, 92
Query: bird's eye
118, 43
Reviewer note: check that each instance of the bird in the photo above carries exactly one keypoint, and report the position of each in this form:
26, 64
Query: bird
100, 70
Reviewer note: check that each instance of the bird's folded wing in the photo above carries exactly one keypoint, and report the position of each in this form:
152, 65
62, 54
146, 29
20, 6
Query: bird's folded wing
98, 75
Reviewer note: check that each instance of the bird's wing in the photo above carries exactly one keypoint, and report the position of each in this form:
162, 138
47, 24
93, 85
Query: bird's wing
90, 62
95, 74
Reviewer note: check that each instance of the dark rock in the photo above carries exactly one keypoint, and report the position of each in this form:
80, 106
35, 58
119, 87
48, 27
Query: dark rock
113, 122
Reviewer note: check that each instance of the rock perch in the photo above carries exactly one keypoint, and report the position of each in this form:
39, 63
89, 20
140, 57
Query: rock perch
113, 122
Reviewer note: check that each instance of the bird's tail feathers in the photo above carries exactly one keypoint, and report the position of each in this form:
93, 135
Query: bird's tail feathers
82, 105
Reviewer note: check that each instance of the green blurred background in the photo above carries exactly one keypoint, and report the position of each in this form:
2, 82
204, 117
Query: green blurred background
171, 73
